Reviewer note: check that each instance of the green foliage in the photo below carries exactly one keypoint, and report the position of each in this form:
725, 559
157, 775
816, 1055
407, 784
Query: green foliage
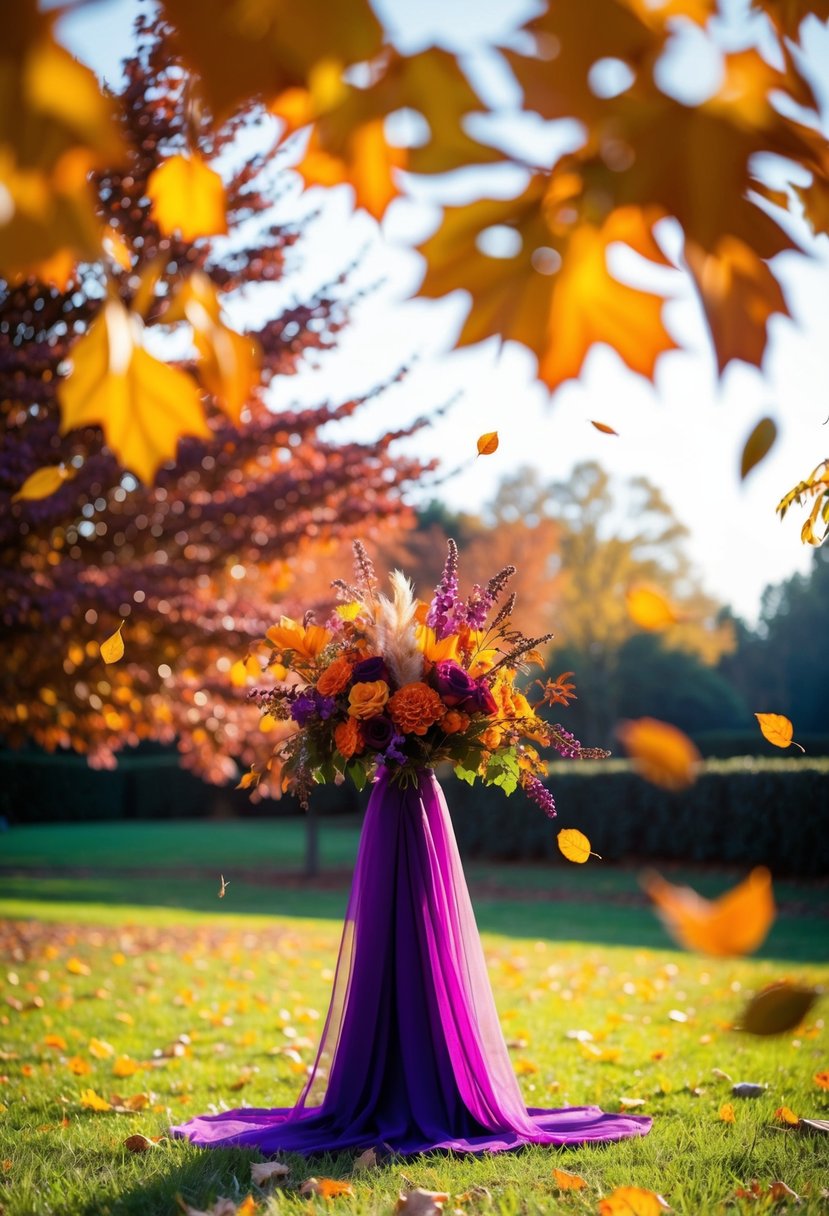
740, 812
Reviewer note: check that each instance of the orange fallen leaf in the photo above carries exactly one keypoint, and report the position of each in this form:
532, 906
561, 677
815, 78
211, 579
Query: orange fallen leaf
649, 608
187, 198
125, 1067
100, 1049
726, 1113
734, 924
43, 482
757, 446
488, 443
79, 1066
575, 846
785, 1114
568, 1182
76, 967
633, 1201
604, 428
821, 1079
113, 648
55, 1040
327, 1188
778, 730
247, 1207
661, 753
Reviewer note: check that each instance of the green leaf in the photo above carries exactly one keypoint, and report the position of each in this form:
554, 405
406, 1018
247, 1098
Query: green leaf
357, 773
465, 774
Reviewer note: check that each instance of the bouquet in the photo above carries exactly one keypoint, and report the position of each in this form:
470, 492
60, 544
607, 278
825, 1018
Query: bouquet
391, 681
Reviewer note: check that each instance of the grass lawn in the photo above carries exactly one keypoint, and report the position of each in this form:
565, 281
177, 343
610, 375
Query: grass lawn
150, 988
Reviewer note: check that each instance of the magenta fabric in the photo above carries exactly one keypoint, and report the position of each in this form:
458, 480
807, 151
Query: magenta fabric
412, 1057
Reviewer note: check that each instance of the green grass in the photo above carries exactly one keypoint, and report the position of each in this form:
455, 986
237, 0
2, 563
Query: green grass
242, 989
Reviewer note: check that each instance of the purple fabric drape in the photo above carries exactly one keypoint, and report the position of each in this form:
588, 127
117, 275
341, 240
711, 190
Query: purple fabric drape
412, 1056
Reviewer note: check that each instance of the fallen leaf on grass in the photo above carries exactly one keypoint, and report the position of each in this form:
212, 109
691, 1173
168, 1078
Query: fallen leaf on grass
79, 1066
777, 1008
129, 1106
821, 1079
366, 1160
418, 1202
726, 1114
100, 1049
125, 1067
568, 1182
222, 1207
785, 1114
327, 1188
55, 1040
774, 1191
139, 1143
633, 1201
630, 1103
720, 1075
76, 966
734, 924
264, 1171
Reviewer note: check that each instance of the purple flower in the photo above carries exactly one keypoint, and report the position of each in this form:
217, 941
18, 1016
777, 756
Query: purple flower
454, 685
538, 793
444, 608
325, 705
377, 732
368, 670
566, 745
303, 708
477, 607
393, 752
482, 701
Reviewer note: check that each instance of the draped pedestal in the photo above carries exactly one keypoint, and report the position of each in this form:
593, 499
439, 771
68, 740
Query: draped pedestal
412, 1057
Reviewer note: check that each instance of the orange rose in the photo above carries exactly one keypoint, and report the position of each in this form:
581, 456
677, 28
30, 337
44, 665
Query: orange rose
334, 678
368, 700
414, 708
348, 739
454, 721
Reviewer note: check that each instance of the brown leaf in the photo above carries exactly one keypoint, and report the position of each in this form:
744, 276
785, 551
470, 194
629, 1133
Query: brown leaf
604, 428
777, 1008
264, 1171
367, 1160
418, 1202
139, 1144
758, 445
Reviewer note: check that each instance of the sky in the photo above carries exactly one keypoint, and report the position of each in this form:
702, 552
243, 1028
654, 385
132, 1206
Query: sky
685, 432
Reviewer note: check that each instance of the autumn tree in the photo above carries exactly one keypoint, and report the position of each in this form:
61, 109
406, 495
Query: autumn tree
193, 556
331, 72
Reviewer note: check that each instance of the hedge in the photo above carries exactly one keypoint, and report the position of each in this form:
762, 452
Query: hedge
744, 811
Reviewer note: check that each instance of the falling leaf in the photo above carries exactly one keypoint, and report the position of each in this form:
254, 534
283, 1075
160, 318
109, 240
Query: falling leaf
726, 1114
661, 753
604, 428
575, 846
785, 1114
139, 1144
367, 1160
143, 405
758, 445
821, 1079
93, 1101
113, 648
418, 1202
649, 608
488, 443
224, 886
734, 924
633, 1201
568, 1182
188, 198
777, 1008
778, 730
43, 482
327, 1188
264, 1171
228, 361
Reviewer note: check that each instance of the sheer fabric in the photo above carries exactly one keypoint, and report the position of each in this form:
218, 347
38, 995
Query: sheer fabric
412, 1057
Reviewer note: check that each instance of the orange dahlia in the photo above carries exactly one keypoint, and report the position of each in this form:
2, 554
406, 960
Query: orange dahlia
348, 738
415, 707
334, 678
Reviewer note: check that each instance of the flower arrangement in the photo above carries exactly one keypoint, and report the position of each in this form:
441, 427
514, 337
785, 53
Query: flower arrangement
391, 681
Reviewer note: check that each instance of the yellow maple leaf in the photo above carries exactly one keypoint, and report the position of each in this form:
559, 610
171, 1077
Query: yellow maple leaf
734, 924
93, 1101
188, 198
143, 405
